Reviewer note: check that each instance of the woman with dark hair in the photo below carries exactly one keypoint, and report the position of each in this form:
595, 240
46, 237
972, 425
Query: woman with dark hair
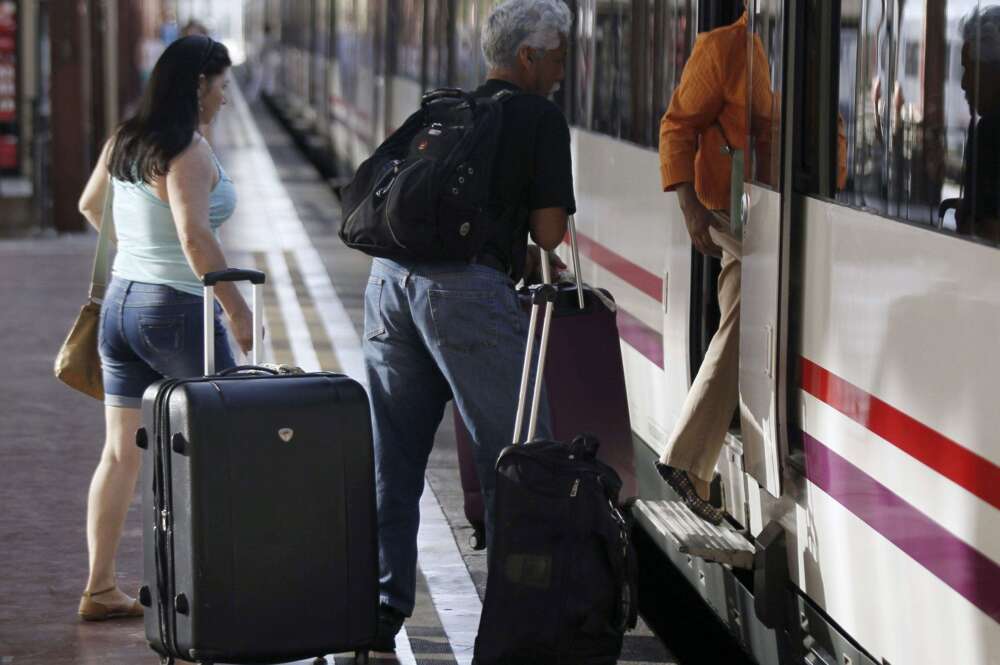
170, 195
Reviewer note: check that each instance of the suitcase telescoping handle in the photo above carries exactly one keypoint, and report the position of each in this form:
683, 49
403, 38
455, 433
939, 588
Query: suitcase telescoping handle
544, 294
256, 278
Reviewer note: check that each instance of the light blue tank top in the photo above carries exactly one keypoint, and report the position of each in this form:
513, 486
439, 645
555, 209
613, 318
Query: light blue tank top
148, 247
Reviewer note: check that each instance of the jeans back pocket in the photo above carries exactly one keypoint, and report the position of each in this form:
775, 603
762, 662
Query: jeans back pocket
374, 322
464, 321
162, 333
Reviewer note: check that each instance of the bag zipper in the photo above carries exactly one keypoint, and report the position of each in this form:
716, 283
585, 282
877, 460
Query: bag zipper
349, 222
389, 199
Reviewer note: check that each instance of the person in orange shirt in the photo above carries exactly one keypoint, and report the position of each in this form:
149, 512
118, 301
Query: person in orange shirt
703, 126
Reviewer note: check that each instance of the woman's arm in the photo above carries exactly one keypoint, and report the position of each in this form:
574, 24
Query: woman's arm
91, 203
189, 183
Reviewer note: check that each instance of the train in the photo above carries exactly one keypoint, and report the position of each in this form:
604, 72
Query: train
862, 469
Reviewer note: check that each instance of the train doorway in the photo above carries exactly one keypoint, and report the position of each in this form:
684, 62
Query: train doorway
704, 319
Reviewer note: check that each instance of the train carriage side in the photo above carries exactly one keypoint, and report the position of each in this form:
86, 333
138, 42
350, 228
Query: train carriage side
894, 313
866, 429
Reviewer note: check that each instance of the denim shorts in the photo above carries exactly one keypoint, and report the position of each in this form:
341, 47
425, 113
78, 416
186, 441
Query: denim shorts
149, 332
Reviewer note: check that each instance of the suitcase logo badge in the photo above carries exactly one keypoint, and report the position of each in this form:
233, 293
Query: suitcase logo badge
286, 434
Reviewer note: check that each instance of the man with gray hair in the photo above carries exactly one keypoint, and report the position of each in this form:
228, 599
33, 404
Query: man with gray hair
978, 212
436, 331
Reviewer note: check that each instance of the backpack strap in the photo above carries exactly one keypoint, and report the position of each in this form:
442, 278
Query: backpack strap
504, 95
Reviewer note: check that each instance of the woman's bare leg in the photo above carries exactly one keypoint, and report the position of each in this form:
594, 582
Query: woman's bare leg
111, 492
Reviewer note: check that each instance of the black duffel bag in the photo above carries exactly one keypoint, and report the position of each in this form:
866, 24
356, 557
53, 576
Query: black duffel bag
562, 579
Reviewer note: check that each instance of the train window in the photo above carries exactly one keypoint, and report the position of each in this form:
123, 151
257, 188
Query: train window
612, 70
765, 68
320, 58
346, 45
410, 30
673, 37
911, 134
629, 56
436, 40
470, 66
580, 99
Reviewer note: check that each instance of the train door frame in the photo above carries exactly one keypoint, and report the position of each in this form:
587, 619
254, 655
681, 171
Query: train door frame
764, 215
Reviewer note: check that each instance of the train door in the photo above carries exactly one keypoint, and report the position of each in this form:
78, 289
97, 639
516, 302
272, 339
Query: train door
764, 229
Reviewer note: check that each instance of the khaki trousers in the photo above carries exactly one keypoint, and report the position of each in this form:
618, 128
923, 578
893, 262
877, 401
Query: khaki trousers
701, 430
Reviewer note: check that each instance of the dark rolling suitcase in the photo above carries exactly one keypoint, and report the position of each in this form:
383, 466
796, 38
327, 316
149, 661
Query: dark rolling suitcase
562, 579
585, 383
260, 540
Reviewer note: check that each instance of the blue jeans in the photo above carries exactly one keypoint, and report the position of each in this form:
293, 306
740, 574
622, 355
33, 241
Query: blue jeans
152, 331
434, 332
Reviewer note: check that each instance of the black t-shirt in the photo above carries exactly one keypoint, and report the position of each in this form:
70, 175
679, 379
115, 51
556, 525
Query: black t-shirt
533, 170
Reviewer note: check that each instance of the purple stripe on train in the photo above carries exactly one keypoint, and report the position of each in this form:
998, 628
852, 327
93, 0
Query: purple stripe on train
641, 337
956, 563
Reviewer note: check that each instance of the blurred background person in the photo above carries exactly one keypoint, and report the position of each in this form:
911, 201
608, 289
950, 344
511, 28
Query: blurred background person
979, 208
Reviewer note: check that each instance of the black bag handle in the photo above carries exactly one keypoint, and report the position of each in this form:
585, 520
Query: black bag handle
447, 93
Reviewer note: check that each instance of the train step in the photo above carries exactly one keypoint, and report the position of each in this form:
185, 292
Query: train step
695, 536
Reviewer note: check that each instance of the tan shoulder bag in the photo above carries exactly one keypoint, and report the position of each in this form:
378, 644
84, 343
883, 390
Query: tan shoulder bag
78, 363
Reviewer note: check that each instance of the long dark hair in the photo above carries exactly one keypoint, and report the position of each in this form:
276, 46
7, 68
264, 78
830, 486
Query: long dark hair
167, 117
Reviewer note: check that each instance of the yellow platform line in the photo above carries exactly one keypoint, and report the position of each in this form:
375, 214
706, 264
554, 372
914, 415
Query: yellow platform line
322, 344
280, 345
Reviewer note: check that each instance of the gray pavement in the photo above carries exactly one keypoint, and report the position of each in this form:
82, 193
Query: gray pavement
50, 442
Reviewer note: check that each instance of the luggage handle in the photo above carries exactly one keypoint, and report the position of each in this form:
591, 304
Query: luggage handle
248, 369
209, 280
578, 279
575, 252
545, 294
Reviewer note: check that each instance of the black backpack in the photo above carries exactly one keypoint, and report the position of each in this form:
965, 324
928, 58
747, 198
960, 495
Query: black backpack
424, 193
562, 579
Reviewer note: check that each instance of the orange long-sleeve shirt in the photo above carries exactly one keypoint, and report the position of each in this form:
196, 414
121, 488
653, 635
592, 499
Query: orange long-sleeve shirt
712, 93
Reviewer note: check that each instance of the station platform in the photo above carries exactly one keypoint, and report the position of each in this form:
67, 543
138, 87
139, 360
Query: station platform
285, 224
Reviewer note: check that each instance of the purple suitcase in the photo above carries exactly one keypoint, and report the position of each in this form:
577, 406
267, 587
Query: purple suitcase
475, 510
585, 384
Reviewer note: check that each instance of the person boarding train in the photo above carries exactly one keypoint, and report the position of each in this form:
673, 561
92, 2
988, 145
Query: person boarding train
706, 120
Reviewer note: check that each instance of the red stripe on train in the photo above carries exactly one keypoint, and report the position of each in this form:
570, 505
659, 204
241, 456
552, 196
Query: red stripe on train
619, 266
976, 474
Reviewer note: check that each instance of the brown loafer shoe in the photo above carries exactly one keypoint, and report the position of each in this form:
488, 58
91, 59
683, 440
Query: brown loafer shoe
680, 483
94, 610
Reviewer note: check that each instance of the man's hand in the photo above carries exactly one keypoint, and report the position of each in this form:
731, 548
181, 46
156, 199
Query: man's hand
533, 265
698, 219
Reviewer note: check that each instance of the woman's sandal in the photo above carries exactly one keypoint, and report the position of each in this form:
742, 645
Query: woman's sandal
93, 610
680, 483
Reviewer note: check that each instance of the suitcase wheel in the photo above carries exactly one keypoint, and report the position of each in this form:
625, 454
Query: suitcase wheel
166, 660
360, 658
477, 539
319, 660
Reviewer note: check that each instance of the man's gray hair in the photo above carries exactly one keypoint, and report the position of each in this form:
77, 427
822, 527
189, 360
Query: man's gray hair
981, 28
537, 24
